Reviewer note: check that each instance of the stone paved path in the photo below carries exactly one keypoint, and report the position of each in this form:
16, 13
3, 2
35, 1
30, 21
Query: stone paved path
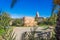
20, 30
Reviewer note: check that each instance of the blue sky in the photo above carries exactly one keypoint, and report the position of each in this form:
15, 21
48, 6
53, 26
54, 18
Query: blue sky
27, 8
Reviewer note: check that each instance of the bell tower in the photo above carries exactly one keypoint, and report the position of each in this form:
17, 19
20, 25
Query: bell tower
37, 14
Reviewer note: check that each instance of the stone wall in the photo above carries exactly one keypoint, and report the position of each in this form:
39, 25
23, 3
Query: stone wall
29, 21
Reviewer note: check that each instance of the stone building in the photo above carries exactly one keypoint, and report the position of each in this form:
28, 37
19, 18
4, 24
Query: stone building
29, 21
38, 18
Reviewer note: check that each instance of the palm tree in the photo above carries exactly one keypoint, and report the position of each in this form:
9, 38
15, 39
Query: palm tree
13, 3
55, 2
57, 28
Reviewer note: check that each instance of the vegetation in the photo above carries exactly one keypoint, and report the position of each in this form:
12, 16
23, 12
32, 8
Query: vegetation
57, 28
4, 27
13, 3
51, 21
17, 22
9, 35
32, 35
4, 21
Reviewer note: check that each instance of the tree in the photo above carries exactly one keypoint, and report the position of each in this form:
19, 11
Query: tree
4, 25
4, 20
17, 22
57, 28
13, 3
52, 19
57, 2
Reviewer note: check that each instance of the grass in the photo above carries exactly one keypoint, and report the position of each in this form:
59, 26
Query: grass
44, 26
1, 31
7, 35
